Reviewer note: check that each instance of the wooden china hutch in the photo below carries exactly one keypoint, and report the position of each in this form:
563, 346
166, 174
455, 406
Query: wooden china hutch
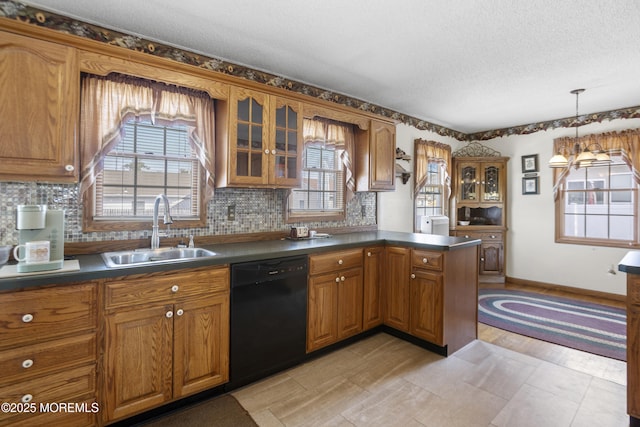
479, 208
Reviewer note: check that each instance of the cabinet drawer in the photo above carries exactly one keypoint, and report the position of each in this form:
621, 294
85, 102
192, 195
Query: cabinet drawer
58, 418
332, 261
486, 236
78, 383
24, 362
27, 316
154, 287
427, 259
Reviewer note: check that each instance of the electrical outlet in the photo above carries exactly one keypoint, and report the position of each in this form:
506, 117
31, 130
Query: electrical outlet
363, 210
231, 213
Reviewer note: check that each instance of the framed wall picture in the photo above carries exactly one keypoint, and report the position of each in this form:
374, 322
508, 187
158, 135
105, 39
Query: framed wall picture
530, 185
530, 163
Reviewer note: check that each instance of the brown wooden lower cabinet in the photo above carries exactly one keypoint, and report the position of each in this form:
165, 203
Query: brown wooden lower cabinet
633, 347
491, 258
396, 290
374, 273
334, 310
433, 295
164, 350
48, 353
426, 314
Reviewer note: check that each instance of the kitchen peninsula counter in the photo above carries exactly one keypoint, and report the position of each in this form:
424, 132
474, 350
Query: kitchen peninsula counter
92, 266
630, 264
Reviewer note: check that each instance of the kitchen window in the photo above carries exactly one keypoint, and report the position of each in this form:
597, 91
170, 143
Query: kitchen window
432, 180
599, 206
327, 178
149, 160
430, 197
139, 139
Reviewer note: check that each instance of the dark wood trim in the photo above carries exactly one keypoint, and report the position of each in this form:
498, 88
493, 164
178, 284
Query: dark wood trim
567, 289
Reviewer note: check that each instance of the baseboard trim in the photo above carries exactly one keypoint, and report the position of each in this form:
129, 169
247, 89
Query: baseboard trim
570, 289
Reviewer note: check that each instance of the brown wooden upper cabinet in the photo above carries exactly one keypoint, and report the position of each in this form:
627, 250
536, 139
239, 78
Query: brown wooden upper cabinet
39, 89
375, 157
263, 143
481, 182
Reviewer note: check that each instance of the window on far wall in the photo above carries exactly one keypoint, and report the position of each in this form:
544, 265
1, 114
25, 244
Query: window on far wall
322, 194
430, 198
598, 205
322, 191
148, 161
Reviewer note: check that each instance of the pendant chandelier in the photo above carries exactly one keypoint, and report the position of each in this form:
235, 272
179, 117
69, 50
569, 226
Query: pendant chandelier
582, 155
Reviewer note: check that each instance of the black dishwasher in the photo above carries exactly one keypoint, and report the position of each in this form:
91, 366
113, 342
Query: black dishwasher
268, 318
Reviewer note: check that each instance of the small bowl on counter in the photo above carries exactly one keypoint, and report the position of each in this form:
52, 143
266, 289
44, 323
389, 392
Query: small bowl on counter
464, 222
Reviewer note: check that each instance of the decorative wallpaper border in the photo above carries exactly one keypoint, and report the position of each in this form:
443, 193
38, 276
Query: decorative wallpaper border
15, 10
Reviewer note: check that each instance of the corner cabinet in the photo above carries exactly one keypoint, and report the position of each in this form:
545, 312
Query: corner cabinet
480, 187
375, 157
166, 337
262, 145
40, 92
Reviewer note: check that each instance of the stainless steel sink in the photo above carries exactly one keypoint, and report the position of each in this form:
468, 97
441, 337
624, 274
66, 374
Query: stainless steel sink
140, 257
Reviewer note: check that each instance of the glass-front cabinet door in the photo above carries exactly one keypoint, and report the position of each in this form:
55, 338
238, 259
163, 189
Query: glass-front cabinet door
480, 182
492, 182
287, 143
248, 152
469, 184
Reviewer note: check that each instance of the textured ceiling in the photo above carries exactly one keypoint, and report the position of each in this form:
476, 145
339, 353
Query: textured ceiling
467, 65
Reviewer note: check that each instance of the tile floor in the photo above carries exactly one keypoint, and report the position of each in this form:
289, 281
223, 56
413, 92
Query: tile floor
385, 381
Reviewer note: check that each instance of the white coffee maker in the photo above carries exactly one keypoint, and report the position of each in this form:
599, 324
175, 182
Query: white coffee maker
37, 223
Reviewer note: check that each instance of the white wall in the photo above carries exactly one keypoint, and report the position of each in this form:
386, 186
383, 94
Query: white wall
395, 209
531, 252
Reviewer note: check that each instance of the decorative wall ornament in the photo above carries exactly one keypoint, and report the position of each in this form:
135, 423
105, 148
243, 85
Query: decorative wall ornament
12, 9
475, 149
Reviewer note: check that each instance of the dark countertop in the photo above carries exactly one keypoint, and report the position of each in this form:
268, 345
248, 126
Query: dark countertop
630, 263
92, 266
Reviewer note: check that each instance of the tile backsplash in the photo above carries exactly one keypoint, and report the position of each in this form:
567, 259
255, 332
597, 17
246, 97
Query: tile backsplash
257, 210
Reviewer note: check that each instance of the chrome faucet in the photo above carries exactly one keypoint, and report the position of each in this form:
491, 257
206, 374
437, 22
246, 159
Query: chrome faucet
155, 237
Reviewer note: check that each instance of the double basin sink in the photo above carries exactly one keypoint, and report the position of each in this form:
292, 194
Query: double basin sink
140, 257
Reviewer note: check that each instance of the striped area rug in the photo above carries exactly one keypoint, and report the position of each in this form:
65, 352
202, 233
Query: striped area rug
584, 326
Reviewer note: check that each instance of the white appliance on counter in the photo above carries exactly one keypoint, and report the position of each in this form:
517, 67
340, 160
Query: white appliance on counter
434, 224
